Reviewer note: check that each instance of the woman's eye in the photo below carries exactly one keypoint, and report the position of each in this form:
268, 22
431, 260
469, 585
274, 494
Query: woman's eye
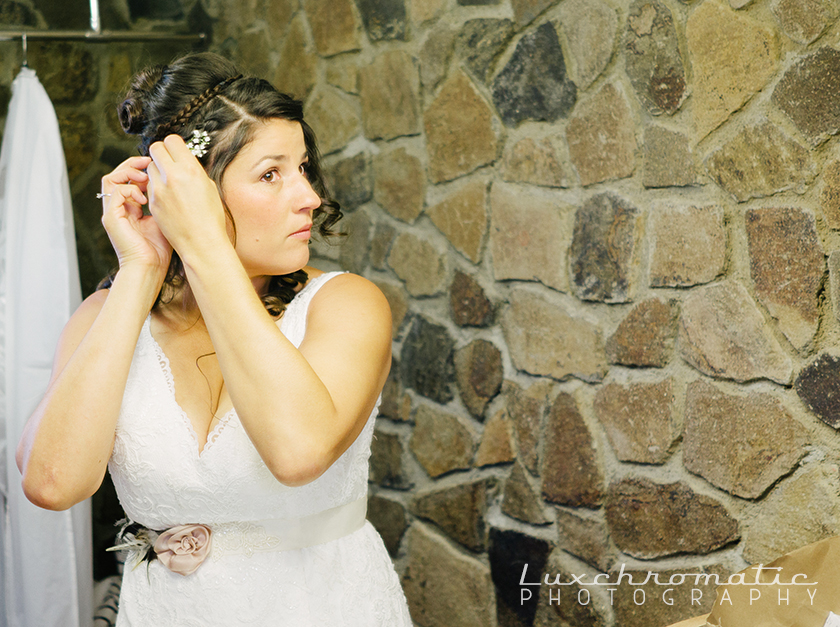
270, 176
304, 169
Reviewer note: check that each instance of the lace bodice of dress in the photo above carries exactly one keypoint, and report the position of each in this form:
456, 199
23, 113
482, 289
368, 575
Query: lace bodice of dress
162, 480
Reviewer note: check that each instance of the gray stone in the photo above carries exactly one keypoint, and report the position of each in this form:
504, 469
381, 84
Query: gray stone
761, 160
468, 302
509, 551
723, 334
462, 218
818, 385
830, 194
834, 281
460, 135
78, 136
521, 500
350, 181
399, 184
801, 510
808, 94
459, 510
645, 337
545, 340
585, 538
495, 447
603, 252
333, 117
390, 93
386, 461
343, 72
478, 374
383, 19
570, 470
740, 443
590, 28
525, 410
536, 163
477, 3
68, 73
418, 263
649, 520
639, 420
380, 244
524, 11
668, 159
689, 245
804, 20
787, 265
445, 588
353, 254
528, 238
426, 361
480, 42
441, 442
426, 10
715, 36
334, 25
435, 55
563, 601
602, 138
388, 516
533, 85
652, 57
397, 301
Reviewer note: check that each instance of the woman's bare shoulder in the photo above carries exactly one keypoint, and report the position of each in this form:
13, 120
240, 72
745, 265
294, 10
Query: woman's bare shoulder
350, 299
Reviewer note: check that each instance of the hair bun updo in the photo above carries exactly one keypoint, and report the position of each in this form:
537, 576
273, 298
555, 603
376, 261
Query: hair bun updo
133, 110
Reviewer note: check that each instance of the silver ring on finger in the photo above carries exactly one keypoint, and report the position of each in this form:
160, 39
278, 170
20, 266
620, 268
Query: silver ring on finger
100, 195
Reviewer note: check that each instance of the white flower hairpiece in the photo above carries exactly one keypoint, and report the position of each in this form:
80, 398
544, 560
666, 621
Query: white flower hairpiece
198, 143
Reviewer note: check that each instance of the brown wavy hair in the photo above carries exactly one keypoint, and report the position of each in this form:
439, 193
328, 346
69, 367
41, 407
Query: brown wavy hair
205, 91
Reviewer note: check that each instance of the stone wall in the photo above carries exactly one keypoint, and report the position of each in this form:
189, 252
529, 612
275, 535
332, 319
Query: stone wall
607, 231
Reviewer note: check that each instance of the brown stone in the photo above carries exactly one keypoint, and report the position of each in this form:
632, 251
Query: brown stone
333, 117
761, 161
689, 245
545, 339
740, 443
585, 538
354, 248
468, 302
570, 470
435, 55
459, 510
478, 374
495, 447
343, 72
801, 510
441, 442
425, 10
649, 520
834, 281
525, 409
830, 194
602, 138
604, 248
419, 264
334, 24
716, 35
252, 46
723, 334
399, 184
524, 11
380, 244
386, 461
536, 163
297, 68
460, 136
388, 516
590, 27
79, 140
808, 94
804, 20
521, 500
529, 233
445, 588
567, 603
396, 403
278, 14
668, 159
645, 337
390, 91
397, 300
119, 73
67, 71
462, 218
787, 265
639, 420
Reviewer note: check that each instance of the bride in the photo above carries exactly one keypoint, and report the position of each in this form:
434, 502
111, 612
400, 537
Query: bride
229, 387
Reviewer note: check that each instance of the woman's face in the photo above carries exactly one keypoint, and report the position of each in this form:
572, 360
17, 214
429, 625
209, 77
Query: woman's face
271, 200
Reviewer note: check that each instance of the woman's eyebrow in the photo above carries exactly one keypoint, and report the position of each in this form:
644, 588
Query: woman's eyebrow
280, 158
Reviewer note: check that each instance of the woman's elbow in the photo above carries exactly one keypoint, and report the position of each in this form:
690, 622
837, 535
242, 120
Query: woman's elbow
47, 493
298, 473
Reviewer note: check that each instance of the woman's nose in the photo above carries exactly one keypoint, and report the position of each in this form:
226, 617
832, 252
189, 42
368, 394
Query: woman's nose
308, 199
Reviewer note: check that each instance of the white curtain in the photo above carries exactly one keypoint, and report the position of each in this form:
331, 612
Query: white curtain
46, 556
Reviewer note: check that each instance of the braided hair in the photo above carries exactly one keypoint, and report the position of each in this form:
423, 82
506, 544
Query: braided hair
205, 91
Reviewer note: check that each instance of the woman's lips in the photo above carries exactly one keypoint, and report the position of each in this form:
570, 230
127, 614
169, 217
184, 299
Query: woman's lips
304, 233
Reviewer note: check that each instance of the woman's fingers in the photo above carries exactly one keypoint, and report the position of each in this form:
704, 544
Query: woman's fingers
129, 171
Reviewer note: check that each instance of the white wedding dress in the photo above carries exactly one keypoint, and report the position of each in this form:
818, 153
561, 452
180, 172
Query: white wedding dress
248, 578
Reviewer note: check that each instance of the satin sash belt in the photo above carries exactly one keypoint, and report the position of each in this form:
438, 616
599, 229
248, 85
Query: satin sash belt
280, 534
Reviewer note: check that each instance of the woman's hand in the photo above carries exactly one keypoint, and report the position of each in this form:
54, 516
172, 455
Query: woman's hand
136, 238
183, 199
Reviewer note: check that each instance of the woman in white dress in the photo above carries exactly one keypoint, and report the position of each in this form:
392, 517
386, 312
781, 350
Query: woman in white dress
230, 388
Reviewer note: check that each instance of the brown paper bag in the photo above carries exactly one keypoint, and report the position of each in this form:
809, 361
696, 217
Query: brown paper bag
796, 590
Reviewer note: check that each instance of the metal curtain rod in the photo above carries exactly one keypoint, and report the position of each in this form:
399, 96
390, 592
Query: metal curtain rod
96, 34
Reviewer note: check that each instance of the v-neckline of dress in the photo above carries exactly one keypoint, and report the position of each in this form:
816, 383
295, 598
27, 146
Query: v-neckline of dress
166, 369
